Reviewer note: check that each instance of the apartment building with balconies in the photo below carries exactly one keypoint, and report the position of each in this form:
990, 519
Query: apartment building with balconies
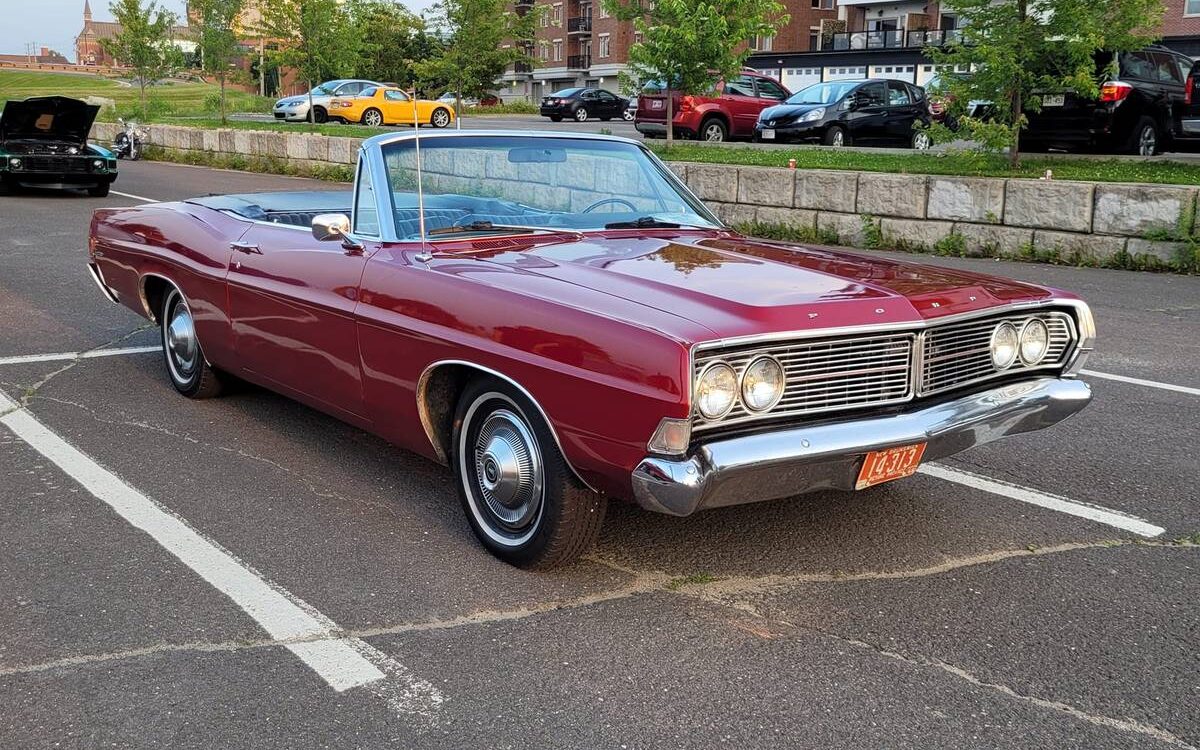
578, 44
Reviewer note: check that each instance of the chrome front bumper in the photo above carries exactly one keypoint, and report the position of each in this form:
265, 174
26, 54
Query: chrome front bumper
787, 462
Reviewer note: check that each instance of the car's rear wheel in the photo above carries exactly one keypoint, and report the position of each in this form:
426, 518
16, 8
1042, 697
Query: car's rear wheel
98, 191
521, 498
440, 117
581, 114
837, 137
713, 130
1144, 139
372, 117
190, 373
921, 140
318, 114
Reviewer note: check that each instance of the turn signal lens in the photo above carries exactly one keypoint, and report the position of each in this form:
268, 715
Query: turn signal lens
762, 384
672, 436
1035, 341
1114, 91
716, 390
1005, 342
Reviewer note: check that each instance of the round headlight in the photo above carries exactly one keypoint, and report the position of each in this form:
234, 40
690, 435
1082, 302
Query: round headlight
1005, 342
1035, 340
97, 163
762, 384
716, 390
15, 163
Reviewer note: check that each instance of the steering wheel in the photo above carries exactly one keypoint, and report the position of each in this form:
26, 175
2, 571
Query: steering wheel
607, 201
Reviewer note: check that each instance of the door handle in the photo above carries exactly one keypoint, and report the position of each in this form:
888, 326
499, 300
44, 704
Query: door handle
245, 247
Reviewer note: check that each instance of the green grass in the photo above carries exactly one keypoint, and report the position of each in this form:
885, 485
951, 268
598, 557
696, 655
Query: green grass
958, 163
328, 128
164, 101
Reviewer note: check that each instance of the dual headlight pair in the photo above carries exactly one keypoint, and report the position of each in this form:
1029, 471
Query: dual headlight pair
760, 387
1029, 344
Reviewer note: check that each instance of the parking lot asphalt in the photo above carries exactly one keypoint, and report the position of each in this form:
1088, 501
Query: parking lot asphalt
979, 606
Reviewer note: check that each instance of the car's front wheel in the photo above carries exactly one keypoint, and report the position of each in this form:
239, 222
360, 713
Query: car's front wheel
921, 140
99, 191
190, 373
318, 114
627, 115
837, 137
440, 117
520, 496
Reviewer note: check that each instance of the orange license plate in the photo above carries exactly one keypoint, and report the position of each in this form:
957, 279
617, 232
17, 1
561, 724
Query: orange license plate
886, 465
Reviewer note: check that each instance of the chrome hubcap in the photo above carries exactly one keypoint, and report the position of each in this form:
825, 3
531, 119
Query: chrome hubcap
182, 348
508, 471
440, 118
838, 138
921, 142
373, 119
581, 115
713, 133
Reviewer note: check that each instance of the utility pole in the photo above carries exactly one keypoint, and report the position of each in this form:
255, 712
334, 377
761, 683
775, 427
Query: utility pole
262, 72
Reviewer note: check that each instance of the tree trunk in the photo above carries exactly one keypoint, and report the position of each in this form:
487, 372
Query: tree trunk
670, 118
142, 90
222, 80
312, 116
1014, 148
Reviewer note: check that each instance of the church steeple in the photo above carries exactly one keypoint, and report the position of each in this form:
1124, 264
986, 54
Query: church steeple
87, 12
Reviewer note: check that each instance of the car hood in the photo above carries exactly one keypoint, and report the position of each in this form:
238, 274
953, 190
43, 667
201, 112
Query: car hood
56, 118
732, 286
783, 111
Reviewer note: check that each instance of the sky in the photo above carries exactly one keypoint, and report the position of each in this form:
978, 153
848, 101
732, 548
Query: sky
54, 23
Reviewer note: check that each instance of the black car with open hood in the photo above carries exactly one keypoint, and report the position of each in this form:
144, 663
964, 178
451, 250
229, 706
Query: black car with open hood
43, 143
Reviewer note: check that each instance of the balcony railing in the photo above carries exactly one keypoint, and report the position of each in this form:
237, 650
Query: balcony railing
580, 25
889, 39
579, 62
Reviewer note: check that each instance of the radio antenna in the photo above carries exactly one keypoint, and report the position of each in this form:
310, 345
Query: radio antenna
420, 189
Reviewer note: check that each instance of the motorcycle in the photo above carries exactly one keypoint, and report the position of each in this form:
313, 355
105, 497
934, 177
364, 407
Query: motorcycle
128, 143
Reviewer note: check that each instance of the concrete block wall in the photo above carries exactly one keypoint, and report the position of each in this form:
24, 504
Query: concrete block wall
990, 215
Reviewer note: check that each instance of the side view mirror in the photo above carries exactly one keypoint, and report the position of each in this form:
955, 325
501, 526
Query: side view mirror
326, 227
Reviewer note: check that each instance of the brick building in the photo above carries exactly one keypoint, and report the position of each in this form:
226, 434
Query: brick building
90, 51
577, 44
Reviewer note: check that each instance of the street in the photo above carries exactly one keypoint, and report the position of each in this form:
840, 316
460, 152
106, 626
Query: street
248, 572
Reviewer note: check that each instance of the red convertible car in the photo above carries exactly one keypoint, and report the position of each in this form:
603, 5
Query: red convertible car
562, 322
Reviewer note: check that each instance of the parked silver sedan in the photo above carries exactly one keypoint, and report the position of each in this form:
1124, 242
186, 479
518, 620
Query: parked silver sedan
295, 108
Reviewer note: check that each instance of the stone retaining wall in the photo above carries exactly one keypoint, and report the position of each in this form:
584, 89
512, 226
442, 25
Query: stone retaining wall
989, 216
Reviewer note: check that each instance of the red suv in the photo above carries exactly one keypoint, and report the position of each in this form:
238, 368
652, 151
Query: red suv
730, 111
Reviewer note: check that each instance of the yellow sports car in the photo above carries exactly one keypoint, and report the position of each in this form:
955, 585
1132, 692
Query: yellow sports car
384, 105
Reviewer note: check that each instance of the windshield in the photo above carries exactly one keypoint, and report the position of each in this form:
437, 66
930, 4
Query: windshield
325, 89
823, 93
527, 181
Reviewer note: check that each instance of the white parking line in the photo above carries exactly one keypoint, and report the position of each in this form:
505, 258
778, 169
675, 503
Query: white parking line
1147, 383
135, 197
1041, 499
64, 356
342, 662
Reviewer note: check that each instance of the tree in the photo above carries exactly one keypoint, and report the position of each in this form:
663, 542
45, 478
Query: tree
144, 42
315, 37
689, 45
1012, 49
217, 40
391, 40
475, 53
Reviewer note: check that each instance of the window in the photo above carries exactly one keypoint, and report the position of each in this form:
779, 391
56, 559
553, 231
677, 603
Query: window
366, 218
1138, 65
814, 39
823, 4
603, 11
545, 20
768, 89
557, 50
765, 43
605, 40
557, 14
870, 95
1191, 8
898, 94
1185, 66
1165, 68
395, 96
637, 37
740, 86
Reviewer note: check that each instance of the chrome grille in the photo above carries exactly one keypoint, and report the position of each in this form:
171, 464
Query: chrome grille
834, 374
959, 354
825, 375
